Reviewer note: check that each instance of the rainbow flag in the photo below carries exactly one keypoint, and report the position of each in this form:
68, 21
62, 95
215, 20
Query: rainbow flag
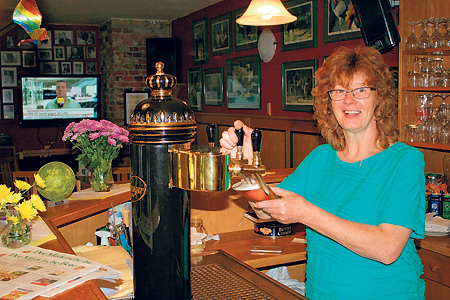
27, 15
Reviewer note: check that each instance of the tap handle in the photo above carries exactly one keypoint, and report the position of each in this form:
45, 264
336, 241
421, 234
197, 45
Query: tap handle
240, 134
210, 132
256, 140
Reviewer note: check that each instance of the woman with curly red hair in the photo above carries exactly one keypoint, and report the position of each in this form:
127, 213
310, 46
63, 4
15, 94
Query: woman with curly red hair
361, 195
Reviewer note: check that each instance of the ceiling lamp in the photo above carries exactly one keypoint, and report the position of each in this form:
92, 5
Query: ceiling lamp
266, 12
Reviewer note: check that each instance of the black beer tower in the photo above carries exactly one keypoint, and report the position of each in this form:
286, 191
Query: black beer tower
164, 167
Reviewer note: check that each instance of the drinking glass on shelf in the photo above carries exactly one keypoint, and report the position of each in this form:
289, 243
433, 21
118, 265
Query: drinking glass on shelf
436, 36
445, 22
412, 40
424, 38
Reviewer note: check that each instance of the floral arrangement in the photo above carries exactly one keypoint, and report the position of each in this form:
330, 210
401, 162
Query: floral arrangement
98, 141
25, 209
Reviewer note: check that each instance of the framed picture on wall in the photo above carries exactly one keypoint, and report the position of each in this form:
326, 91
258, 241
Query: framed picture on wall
8, 96
29, 59
8, 112
45, 55
59, 53
131, 99
213, 86
10, 58
243, 82
76, 53
78, 68
63, 37
66, 68
336, 27
49, 68
297, 83
221, 35
86, 37
301, 33
245, 37
200, 41
195, 90
9, 77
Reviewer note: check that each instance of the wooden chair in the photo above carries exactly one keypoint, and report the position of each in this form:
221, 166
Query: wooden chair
8, 164
121, 174
28, 177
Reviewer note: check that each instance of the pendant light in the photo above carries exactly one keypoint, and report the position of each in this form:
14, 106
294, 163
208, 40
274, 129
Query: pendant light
266, 12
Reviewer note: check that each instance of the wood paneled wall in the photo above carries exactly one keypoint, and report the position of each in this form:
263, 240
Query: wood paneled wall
285, 143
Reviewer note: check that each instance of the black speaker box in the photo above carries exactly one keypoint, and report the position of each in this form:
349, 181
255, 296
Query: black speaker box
165, 50
378, 25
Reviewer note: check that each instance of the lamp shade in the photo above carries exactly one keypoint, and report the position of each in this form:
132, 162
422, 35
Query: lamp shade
265, 13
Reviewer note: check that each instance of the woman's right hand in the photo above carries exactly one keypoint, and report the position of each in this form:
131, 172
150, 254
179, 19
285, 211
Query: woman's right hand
229, 140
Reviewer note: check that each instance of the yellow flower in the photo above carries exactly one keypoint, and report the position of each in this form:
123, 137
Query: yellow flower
12, 219
14, 198
22, 185
26, 210
37, 202
4, 193
39, 181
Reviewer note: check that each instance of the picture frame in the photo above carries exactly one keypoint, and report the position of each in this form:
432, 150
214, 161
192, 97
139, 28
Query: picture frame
63, 37
200, 41
243, 82
10, 58
91, 52
213, 86
195, 89
28, 59
91, 67
336, 28
301, 33
131, 99
8, 95
220, 29
9, 77
46, 44
86, 37
297, 83
45, 55
11, 42
75, 53
59, 53
245, 37
49, 68
66, 68
78, 68
8, 112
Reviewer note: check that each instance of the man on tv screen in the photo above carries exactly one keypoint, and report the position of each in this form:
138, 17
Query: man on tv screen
61, 100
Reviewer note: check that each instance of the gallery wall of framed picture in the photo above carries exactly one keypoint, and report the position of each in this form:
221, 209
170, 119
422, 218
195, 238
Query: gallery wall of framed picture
69, 50
227, 61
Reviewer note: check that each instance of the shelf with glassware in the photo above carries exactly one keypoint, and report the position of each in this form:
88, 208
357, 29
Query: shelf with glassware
424, 112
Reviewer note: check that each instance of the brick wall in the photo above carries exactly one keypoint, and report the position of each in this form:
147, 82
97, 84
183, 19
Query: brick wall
123, 60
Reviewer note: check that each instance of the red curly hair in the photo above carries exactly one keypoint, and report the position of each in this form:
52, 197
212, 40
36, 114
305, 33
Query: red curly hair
339, 69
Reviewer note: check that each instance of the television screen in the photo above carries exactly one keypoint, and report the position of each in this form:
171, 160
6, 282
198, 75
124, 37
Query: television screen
58, 100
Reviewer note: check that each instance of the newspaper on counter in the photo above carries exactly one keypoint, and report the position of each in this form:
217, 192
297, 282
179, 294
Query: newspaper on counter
30, 271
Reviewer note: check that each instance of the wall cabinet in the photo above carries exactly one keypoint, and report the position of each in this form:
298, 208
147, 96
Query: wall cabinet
416, 10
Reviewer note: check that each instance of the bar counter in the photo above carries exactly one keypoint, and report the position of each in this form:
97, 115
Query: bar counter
434, 251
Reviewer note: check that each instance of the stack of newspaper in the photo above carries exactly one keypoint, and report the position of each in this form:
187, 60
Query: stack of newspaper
30, 271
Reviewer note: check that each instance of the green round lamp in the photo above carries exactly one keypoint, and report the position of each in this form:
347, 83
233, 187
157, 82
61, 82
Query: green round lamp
59, 181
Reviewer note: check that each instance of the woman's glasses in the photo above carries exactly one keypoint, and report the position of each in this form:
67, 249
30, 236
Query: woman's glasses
358, 93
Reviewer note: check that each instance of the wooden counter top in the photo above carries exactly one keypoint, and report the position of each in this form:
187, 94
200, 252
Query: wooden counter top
238, 244
440, 245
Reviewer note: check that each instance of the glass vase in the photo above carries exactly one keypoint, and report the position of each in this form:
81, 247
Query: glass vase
16, 235
101, 178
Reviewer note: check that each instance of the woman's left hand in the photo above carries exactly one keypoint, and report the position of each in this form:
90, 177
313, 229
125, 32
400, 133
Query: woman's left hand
289, 209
